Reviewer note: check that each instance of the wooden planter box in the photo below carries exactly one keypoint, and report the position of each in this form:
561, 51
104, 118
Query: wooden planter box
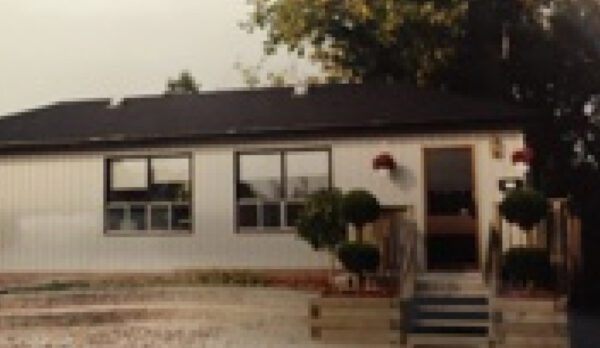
530, 322
352, 319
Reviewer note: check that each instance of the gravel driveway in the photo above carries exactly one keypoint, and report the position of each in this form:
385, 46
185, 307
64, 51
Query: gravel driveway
212, 317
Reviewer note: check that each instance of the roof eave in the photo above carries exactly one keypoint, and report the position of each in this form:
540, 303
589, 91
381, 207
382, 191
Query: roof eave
364, 130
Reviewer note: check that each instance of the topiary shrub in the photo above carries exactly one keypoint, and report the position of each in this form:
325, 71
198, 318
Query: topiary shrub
525, 267
524, 207
359, 258
321, 222
360, 207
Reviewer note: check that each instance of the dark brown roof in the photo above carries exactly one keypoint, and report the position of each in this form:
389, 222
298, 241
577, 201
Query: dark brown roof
271, 112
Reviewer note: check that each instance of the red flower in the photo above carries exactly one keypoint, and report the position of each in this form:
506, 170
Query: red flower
384, 161
523, 156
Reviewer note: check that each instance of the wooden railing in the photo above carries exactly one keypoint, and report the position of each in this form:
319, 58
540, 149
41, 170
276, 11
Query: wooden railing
492, 267
411, 251
564, 238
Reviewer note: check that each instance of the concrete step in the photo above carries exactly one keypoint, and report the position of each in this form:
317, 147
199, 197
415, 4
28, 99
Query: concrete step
449, 278
450, 286
450, 309
450, 275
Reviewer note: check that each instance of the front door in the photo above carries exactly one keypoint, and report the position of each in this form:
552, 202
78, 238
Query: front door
451, 218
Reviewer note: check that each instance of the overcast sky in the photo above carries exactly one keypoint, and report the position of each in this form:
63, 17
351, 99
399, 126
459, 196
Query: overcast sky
53, 50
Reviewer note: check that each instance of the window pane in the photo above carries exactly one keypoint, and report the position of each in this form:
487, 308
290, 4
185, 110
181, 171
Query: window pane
170, 169
115, 217
170, 179
272, 215
260, 176
293, 212
307, 171
247, 215
138, 217
181, 217
160, 217
129, 174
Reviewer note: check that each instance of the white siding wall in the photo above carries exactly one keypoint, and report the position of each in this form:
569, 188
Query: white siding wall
51, 206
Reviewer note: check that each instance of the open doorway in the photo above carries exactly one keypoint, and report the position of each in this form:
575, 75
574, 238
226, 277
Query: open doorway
451, 209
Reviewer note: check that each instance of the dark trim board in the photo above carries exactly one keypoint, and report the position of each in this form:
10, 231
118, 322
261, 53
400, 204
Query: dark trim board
192, 141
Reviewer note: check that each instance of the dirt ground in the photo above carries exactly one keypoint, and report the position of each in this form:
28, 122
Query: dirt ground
235, 317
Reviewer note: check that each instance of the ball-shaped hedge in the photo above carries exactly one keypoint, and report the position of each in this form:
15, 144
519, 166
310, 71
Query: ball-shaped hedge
360, 207
359, 257
524, 207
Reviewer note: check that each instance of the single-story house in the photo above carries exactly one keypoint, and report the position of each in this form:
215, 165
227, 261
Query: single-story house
215, 180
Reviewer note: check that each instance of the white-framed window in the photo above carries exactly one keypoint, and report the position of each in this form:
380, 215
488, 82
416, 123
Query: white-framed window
146, 194
272, 186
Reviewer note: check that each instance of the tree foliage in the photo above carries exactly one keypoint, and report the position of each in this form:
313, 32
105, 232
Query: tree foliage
543, 54
409, 40
183, 84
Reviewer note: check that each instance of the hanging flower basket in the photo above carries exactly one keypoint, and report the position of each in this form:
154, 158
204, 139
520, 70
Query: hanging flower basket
384, 163
522, 156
